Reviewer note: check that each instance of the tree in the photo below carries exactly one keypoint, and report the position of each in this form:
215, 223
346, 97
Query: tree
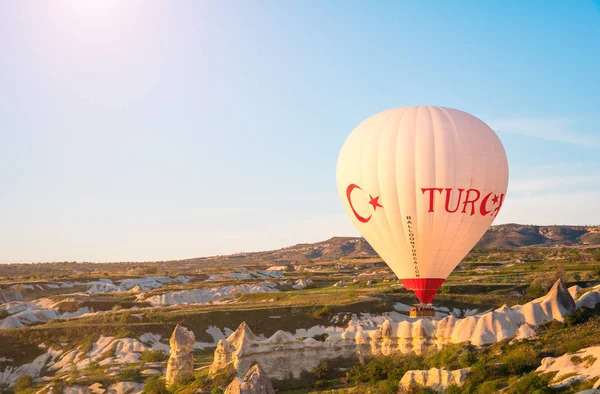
596, 255
155, 385
23, 383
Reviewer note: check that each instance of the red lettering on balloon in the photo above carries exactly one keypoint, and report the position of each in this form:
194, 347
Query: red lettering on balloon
431, 189
471, 197
472, 202
448, 195
495, 212
483, 208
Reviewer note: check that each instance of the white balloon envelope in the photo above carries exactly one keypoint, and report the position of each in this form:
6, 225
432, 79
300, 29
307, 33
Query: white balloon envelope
422, 184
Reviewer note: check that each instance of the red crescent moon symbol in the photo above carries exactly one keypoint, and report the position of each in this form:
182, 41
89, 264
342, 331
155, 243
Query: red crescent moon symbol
483, 209
351, 187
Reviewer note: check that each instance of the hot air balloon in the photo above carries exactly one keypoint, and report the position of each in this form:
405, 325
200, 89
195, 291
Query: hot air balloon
422, 184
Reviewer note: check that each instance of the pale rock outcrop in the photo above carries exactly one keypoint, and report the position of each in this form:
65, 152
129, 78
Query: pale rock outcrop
302, 284
39, 311
13, 307
96, 388
589, 299
581, 365
436, 379
277, 268
7, 295
10, 322
204, 296
246, 274
181, 361
147, 283
574, 291
135, 290
340, 283
125, 387
10, 374
283, 353
255, 381
74, 389
525, 331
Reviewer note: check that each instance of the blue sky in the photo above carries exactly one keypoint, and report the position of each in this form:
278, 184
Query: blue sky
160, 130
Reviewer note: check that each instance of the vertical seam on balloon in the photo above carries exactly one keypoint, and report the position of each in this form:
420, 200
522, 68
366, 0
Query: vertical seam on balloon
471, 223
363, 171
434, 185
454, 146
453, 136
440, 267
387, 223
401, 239
416, 219
461, 240
435, 178
385, 123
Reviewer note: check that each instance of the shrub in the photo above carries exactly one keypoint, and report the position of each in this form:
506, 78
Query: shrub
67, 306
152, 270
184, 379
444, 289
224, 376
531, 384
596, 255
535, 290
321, 371
581, 315
489, 387
88, 343
23, 383
449, 356
125, 318
388, 367
416, 389
323, 313
466, 359
520, 359
152, 356
155, 385
321, 337
130, 373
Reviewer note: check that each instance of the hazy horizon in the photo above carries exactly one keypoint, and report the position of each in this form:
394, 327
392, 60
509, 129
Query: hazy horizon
243, 251
137, 131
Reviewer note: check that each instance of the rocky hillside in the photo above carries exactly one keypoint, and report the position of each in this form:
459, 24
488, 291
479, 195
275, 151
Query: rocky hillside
504, 235
332, 249
515, 235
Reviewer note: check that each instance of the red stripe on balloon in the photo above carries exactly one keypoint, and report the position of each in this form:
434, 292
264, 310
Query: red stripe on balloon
424, 288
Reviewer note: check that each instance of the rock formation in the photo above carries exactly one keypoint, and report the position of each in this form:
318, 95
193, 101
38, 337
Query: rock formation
181, 361
302, 284
7, 295
436, 379
573, 367
283, 353
205, 296
255, 381
589, 299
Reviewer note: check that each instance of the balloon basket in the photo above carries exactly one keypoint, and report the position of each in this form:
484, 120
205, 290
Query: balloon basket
422, 311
